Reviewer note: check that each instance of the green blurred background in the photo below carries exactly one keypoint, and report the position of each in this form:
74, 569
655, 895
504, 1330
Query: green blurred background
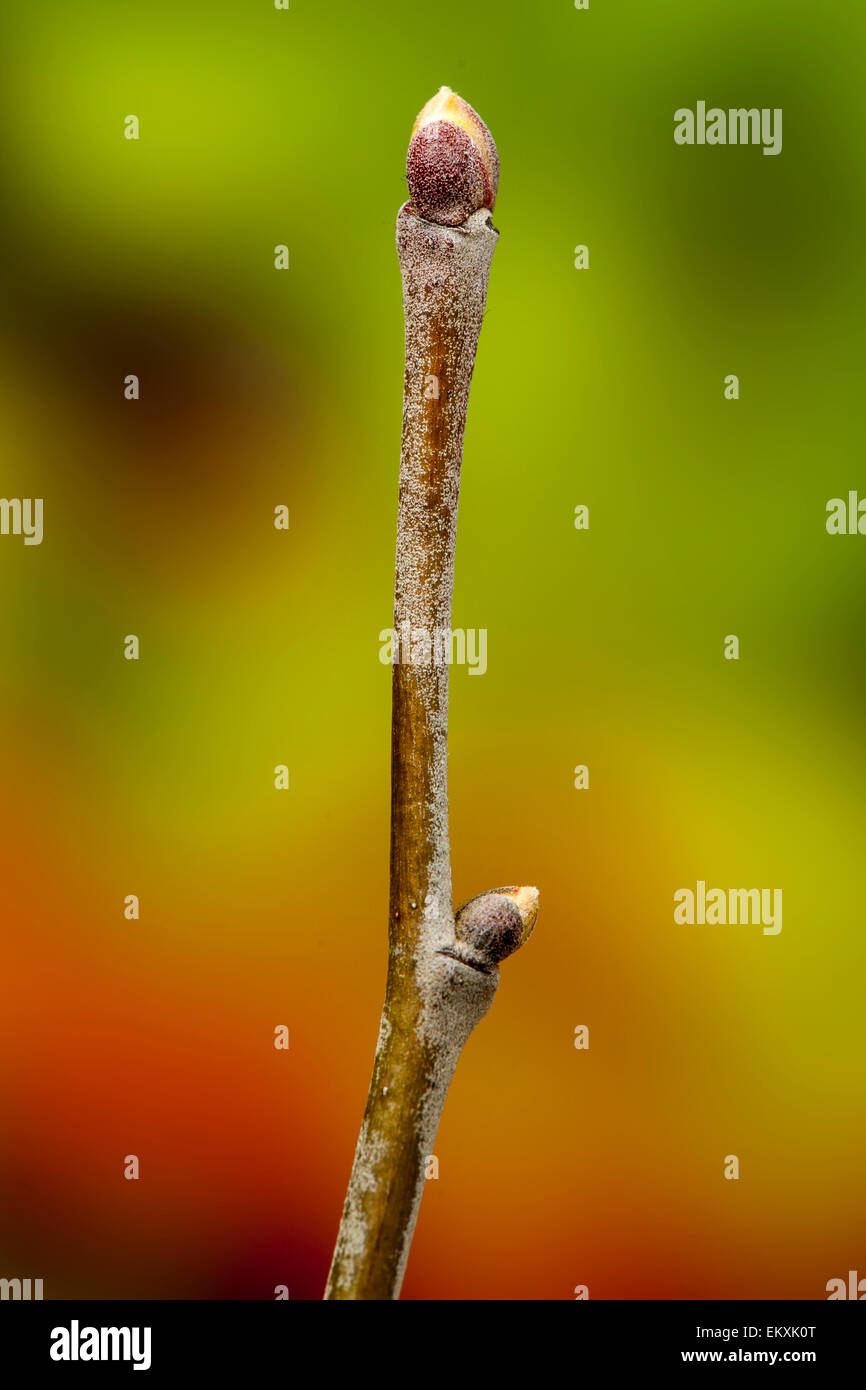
604, 387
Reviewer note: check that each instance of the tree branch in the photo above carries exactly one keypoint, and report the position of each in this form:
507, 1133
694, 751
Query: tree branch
442, 970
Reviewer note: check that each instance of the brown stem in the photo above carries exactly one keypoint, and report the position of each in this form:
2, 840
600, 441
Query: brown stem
442, 973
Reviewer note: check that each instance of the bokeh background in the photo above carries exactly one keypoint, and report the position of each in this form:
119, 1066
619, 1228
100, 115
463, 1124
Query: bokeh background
258, 387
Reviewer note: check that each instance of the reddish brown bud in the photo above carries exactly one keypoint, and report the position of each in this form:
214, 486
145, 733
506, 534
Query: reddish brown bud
452, 167
494, 924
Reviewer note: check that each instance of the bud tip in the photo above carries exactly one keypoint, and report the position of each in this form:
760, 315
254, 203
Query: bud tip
527, 900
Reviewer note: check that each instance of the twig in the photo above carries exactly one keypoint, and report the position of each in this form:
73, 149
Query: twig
442, 971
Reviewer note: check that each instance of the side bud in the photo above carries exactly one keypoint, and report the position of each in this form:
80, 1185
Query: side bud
493, 925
